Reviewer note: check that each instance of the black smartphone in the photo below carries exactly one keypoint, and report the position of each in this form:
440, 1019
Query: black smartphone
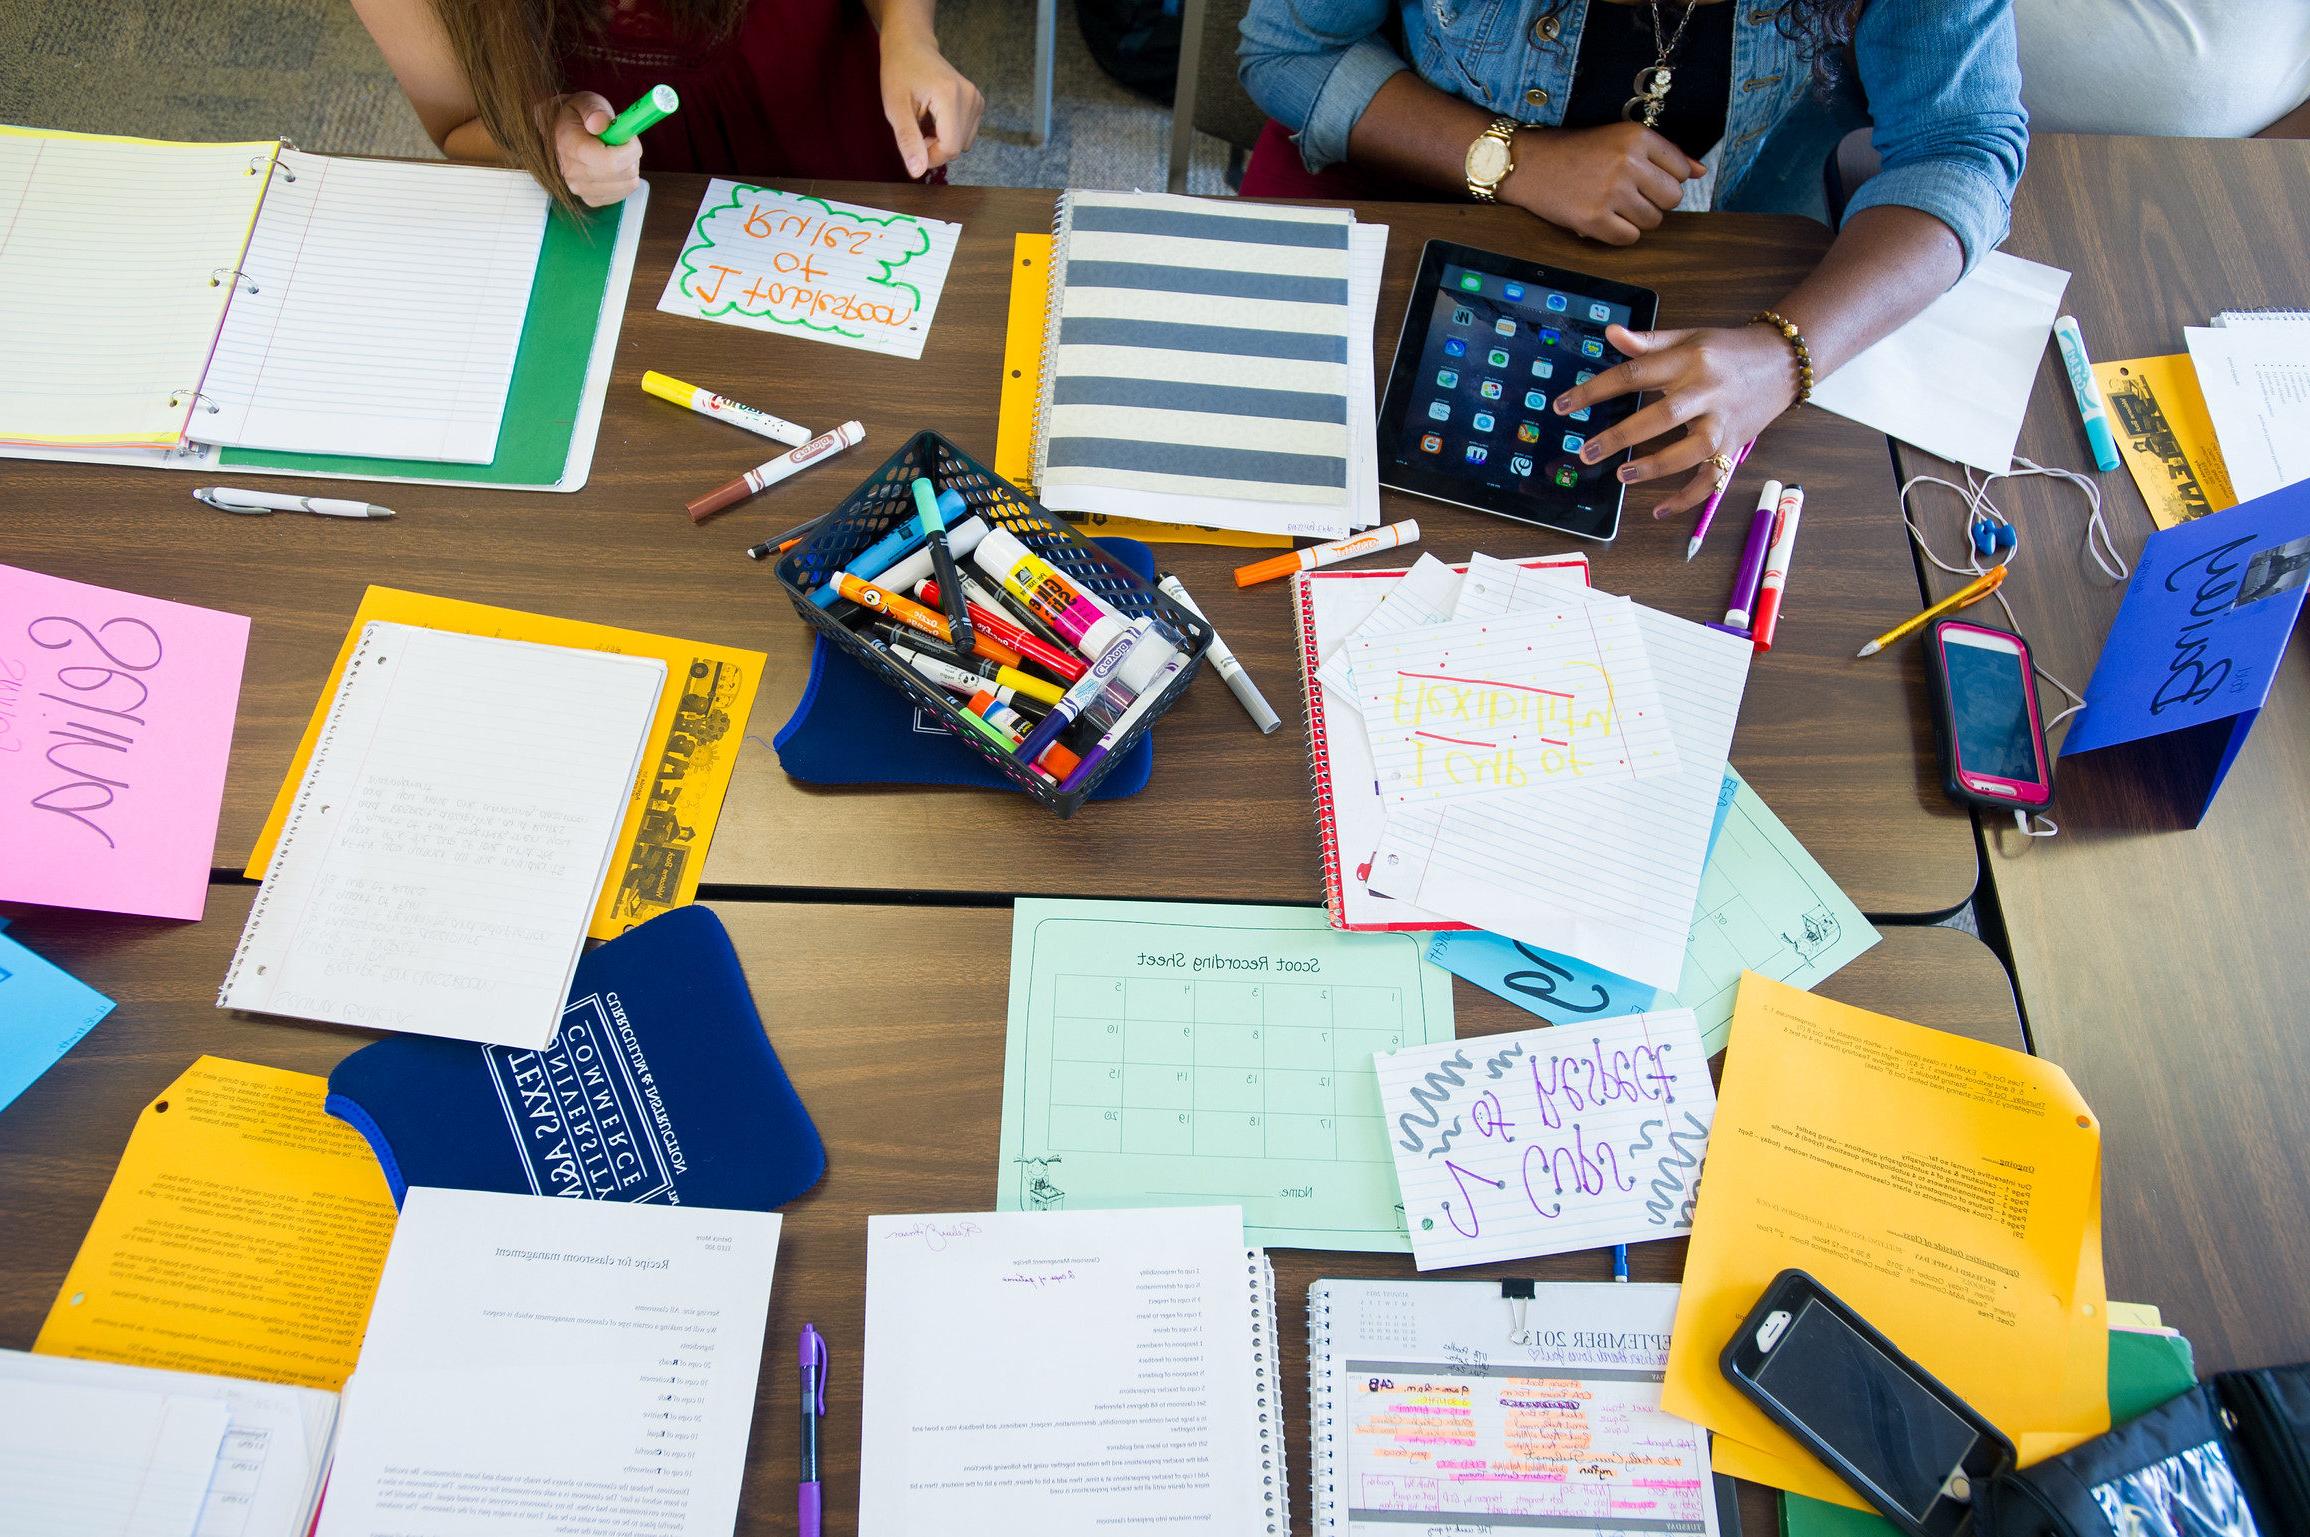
1914, 1450
1985, 717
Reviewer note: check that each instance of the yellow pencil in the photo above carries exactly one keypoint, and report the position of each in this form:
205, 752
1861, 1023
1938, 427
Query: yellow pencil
1972, 592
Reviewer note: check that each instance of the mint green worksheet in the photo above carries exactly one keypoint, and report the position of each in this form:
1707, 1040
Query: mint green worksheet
1177, 1053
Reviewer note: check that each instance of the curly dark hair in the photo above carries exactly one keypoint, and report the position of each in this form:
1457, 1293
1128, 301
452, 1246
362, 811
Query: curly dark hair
1824, 30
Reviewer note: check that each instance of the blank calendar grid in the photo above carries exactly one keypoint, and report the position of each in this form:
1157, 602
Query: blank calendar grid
1218, 1069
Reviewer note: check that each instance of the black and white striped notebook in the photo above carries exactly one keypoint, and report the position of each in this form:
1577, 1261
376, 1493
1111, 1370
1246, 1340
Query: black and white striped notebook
1200, 348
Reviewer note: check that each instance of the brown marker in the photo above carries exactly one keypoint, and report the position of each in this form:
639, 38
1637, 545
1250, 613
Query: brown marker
767, 474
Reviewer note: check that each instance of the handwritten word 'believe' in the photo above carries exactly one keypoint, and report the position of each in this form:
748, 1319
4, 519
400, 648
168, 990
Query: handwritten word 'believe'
100, 704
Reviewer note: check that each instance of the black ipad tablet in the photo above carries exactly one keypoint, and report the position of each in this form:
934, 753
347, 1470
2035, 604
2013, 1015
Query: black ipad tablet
1488, 342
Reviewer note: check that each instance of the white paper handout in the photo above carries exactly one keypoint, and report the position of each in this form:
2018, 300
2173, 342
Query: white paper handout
1608, 873
1554, 696
1549, 1140
1955, 380
380, 311
808, 266
2256, 377
1047, 1374
536, 1367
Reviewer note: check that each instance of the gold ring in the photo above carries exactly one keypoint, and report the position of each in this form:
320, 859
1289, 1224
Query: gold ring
1723, 463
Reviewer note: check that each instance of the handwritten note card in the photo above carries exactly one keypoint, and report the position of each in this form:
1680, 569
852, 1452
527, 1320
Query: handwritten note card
1548, 1141
785, 261
116, 717
1556, 694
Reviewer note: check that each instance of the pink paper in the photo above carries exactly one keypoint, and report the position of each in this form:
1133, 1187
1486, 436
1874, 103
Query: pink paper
116, 718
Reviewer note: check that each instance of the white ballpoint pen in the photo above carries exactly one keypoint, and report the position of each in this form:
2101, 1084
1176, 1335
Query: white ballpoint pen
227, 499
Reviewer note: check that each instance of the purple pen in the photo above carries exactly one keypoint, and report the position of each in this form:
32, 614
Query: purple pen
809, 1496
1708, 508
1752, 568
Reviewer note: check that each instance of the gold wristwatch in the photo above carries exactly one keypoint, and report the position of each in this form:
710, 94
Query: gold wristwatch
1491, 158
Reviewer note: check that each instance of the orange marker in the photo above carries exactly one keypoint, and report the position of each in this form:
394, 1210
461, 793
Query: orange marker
1057, 760
1316, 556
916, 617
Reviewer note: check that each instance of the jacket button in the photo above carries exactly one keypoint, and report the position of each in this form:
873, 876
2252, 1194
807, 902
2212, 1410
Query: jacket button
1547, 29
1536, 97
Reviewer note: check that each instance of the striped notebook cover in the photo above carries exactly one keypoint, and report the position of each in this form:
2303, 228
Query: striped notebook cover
1199, 349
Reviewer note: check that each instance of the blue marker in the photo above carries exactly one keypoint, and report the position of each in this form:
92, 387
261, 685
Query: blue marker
880, 556
2081, 383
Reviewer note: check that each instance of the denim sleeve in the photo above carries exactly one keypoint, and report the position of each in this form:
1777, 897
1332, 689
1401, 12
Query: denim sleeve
1313, 66
1943, 83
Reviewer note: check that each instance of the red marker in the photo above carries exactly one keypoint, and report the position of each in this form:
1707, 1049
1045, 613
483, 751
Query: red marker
1035, 649
1776, 579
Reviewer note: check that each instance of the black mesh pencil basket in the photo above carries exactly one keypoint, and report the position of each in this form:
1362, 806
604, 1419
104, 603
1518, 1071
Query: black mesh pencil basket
886, 500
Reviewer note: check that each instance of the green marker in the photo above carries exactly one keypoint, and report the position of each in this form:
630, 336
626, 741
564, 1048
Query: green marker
652, 109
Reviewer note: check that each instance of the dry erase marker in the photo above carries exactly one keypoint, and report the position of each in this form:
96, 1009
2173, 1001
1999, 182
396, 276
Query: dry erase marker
907, 572
1057, 761
958, 616
1087, 689
1054, 660
658, 103
1776, 578
1132, 714
1317, 556
723, 409
876, 558
1238, 681
261, 503
771, 471
969, 680
1742, 606
2082, 384
928, 620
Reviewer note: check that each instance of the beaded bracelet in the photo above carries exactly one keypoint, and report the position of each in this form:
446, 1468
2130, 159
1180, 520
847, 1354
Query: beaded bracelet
1796, 340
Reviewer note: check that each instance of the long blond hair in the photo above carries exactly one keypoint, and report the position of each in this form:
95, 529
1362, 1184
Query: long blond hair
511, 50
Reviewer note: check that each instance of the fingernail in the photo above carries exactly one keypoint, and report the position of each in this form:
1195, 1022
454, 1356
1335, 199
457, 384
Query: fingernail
1588, 454
1628, 472
1559, 407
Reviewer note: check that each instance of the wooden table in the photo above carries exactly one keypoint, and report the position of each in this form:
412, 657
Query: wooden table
912, 1125
1841, 750
2162, 966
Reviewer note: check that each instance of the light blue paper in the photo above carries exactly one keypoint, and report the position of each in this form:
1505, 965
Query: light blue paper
44, 1011
1766, 905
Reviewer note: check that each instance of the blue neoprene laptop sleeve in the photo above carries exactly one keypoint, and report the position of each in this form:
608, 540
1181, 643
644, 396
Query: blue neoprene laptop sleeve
661, 1086
852, 728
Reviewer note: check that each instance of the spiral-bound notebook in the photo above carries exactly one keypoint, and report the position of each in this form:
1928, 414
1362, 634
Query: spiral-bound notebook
253, 296
1350, 815
1498, 1407
449, 837
1197, 364
1048, 1374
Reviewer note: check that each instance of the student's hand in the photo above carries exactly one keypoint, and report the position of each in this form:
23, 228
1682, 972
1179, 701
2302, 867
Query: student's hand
932, 109
1723, 386
598, 173
1610, 184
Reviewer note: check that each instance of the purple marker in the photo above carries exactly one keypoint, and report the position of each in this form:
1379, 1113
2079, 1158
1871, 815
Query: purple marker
1130, 717
1102, 675
809, 1494
1752, 567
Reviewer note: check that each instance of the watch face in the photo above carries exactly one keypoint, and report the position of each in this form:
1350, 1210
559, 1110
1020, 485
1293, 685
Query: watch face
1487, 160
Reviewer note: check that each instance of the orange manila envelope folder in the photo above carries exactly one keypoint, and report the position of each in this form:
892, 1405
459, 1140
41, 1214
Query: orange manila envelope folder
242, 1235
677, 800
1949, 1190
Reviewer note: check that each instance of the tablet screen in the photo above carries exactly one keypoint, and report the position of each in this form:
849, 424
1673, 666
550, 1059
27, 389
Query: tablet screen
1488, 344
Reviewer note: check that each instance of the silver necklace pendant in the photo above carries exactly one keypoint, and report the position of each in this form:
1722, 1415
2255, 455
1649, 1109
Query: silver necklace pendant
1652, 83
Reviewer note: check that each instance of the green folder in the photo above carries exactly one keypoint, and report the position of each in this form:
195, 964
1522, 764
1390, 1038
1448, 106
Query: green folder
549, 371
2144, 1371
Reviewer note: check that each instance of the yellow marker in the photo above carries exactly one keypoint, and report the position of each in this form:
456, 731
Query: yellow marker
1028, 684
1964, 597
723, 409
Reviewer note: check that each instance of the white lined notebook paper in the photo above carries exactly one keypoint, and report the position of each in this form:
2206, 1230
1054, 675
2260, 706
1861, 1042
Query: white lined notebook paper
382, 309
444, 852
1609, 873
118, 1461
116, 264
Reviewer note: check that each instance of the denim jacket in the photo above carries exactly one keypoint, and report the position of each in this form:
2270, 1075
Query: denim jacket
1936, 81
